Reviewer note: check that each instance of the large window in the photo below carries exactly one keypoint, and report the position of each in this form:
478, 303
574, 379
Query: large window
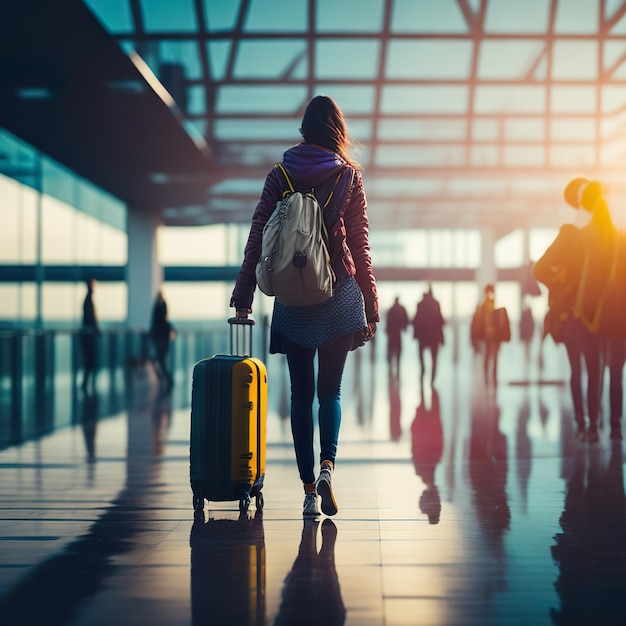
436, 248
51, 217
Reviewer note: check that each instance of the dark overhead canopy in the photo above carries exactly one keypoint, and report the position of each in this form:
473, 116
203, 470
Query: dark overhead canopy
68, 89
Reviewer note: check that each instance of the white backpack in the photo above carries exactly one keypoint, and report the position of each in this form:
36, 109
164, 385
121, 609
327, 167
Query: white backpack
294, 265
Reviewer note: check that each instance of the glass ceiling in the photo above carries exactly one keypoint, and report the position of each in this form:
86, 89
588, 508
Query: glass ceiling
467, 112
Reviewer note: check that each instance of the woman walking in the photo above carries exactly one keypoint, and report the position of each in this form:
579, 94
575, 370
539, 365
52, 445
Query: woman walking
334, 327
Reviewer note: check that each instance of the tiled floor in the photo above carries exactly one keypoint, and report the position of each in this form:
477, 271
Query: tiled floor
458, 505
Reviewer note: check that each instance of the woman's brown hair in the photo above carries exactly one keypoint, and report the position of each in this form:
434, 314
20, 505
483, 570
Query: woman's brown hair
323, 124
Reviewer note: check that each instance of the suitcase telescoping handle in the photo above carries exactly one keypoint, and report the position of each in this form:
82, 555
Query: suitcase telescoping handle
240, 338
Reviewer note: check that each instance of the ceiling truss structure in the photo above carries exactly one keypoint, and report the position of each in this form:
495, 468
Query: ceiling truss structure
468, 113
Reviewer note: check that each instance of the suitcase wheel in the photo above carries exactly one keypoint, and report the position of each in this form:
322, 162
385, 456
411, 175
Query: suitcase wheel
244, 504
259, 501
198, 503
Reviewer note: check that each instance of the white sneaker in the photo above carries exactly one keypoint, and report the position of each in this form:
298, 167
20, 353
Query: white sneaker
309, 508
324, 486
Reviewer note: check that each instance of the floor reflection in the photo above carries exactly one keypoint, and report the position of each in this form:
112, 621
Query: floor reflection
488, 471
89, 421
459, 505
54, 591
523, 449
161, 420
395, 408
311, 592
591, 549
427, 448
228, 571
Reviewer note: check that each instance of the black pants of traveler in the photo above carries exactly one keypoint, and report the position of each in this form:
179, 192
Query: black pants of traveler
331, 358
582, 344
434, 352
490, 361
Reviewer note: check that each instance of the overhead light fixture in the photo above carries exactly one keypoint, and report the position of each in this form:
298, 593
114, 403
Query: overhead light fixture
159, 178
34, 93
177, 178
151, 79
127, 86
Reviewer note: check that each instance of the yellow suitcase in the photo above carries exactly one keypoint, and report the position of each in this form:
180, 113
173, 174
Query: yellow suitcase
228, 427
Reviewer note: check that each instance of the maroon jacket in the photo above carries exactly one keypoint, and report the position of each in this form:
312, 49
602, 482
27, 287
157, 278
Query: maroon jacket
314, 167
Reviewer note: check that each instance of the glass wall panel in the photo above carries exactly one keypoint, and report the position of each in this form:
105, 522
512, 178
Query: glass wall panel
409, 293
18, 303
539, 240
466, 296
467, 248
457, 299
509, 295
110, 299
11, 226
28, 311
28, 207
63, 302
441, 252
18, 215
58, 231
50, 216
426, 248
509, 250
199, 301
87, 241
9, 301
218, 244
114, 246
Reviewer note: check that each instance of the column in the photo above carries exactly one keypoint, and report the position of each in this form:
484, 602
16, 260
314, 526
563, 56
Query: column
487, 271
144, 275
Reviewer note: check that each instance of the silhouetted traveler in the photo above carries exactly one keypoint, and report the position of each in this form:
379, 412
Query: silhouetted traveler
89, 337
428, 326
334, 327
161, 333
575, 268
397, 321
494, 328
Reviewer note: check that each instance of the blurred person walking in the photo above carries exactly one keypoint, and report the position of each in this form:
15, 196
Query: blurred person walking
161, 334
334, 327
397, 322
428, 326
89, 338
576, 269
491, 326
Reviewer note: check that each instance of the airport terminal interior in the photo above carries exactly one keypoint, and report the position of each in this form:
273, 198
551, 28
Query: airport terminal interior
135, 138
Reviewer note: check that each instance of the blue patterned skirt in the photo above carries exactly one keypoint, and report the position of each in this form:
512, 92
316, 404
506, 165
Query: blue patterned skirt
312, 326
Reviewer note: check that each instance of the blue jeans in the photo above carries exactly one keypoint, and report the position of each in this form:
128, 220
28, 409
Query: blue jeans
331, 361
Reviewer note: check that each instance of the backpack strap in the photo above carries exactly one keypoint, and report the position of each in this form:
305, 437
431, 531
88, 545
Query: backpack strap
292, 189
284, 171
